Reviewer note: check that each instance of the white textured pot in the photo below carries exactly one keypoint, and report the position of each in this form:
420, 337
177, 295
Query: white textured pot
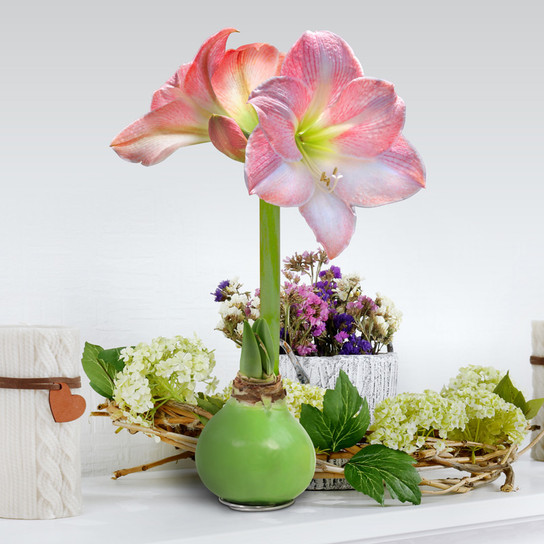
375, 377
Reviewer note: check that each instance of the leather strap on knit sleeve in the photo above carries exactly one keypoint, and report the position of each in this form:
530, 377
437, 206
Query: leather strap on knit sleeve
537, 360
50, 384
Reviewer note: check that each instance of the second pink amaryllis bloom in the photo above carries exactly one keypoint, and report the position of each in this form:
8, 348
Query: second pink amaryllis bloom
329, 139
204, 100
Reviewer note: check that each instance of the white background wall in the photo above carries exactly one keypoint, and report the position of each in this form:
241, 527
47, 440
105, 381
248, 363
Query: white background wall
126, 253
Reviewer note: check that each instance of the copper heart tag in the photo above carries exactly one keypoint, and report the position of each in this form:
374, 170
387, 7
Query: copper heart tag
65, 406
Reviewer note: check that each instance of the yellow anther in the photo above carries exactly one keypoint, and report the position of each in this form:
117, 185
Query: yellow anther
326, 180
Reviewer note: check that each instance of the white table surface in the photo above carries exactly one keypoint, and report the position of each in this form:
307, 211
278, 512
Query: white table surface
172, 506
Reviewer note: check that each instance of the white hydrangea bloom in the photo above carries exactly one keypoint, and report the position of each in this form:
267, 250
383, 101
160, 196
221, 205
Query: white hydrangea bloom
298, 394
403, 422
490, 418
165, 369
485, 377
467, 410
132, 390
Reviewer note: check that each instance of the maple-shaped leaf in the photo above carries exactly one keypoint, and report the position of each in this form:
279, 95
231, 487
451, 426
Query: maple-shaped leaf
376, 467
343, 421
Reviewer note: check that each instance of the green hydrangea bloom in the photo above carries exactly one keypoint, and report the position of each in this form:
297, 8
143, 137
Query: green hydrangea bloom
481, 377
298, 394
467, 409
405, 421
491, 420
165, 369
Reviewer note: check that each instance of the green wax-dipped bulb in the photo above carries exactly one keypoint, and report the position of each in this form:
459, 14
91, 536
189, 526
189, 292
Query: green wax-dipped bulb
254, 454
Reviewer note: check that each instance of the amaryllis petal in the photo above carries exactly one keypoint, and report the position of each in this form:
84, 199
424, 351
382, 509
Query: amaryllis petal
326, 124
392, 176
227, 136
271, 178
171, 90
238, 73
159, 133
280, 103
331, 219
325, 63
198, 78
371, 117
182, 109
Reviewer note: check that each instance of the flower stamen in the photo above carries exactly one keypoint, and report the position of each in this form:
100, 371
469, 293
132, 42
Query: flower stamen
326, 182
331, 181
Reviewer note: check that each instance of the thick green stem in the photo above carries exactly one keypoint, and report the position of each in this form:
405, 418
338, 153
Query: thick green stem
270, 273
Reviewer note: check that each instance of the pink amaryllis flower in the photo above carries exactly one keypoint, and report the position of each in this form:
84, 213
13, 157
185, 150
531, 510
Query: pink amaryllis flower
204, 100
329, 139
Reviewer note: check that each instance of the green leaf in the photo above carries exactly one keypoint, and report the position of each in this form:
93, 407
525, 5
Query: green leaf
519, 401
510, 393
106, 393
343, 421
210, 404
506, 389
113, 357
98, 372
270, 260
250, 358
316, 425
266, 346
376, 465
533, 406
